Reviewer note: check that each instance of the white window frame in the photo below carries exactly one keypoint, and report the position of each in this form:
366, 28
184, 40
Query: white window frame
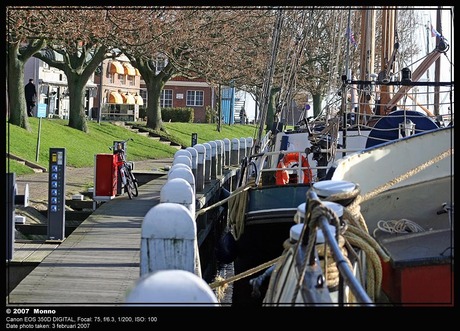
164, 98
195, 98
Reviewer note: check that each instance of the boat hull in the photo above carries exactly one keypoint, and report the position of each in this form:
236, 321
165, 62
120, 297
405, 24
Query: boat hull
268, 219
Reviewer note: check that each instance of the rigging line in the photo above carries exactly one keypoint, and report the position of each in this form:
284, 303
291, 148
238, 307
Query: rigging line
270, 70
286, 91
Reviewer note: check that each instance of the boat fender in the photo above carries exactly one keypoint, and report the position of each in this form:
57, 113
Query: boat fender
257, 282
226, 251
292, 160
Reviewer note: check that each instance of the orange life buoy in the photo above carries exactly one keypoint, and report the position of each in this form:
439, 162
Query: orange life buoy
292, 160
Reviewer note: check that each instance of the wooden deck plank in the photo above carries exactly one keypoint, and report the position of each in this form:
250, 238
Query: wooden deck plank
31, 252
99, 261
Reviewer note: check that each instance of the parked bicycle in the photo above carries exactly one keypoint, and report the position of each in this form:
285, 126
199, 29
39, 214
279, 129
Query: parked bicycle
128, 181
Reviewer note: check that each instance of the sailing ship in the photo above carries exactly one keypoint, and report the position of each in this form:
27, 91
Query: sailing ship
294, 224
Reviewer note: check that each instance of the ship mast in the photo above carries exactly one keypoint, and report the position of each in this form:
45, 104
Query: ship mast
367, 56
387, 56
268, 79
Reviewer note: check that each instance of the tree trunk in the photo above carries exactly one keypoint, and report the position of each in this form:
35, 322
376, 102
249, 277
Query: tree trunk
154, 88
317, 100
77, 118
16, 97
271, 108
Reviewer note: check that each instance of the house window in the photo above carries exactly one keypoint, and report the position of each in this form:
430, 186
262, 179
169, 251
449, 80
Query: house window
195, 98
110, 78
143, 94
166, 99
131, 80
122, 79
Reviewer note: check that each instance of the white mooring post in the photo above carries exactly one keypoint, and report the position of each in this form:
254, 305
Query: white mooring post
242, 148
183, 159
184, 173
178, 190
171, 288
194, 154
183, 152
178, 166
249, 144
207, 162
200, 167
220, 157
235, 152
227, 148
169, 240
213, 159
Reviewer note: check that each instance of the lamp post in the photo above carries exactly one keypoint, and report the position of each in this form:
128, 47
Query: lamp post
99, 111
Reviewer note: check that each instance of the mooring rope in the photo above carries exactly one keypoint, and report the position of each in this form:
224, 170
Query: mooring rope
357, 235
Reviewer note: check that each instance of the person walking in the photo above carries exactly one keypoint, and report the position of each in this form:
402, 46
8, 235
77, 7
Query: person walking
30, 92
242, 116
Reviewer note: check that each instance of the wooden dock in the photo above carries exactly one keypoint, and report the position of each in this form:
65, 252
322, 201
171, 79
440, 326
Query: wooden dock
98, 263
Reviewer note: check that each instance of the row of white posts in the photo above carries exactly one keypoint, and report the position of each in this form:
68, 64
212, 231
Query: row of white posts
170, 270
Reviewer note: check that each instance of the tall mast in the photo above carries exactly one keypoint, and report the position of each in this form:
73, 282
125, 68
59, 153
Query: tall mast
367, 56
387, 56
268, 79
437, 66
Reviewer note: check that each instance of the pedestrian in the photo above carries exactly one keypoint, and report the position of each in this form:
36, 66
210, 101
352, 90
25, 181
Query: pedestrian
30, 92
242, 116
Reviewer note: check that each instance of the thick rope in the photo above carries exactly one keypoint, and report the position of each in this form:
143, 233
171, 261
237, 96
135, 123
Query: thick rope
243, 274
312, 216
237, 209
357, 235
221, 202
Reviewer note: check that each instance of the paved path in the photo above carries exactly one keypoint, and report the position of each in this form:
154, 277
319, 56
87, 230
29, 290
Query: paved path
78, 180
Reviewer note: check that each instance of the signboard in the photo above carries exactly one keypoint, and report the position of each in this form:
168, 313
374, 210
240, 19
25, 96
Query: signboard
41, 110
56, 194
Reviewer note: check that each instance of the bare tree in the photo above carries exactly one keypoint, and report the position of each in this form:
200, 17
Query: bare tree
221, 45
74, 33
19, 48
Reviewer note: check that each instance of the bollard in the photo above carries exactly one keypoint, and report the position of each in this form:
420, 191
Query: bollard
326, 188
220, 157
183, 152
173, 287
234, 156
178, 190
201, 150
249, 144
207, 163
183, 159
227, 148
242, 148
184, 173
194, 154
178, 166
169, 240
213, 159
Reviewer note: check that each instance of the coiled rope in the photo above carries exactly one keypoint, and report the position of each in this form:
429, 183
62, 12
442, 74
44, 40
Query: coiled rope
237, 208
398, 226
